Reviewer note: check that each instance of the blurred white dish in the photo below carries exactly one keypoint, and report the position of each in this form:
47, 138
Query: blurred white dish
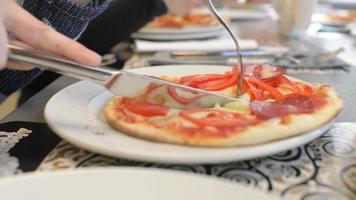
353, 31
123, 183
218, 44
189, 33
244, 14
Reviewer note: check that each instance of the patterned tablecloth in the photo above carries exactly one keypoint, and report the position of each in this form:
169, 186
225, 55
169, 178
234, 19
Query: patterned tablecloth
322, 169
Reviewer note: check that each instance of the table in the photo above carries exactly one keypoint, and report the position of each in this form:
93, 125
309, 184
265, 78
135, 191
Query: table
322, 169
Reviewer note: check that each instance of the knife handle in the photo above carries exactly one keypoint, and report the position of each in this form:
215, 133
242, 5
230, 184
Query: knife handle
21, 55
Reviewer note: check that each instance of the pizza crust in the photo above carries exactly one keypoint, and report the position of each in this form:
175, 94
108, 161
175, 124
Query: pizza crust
267, 131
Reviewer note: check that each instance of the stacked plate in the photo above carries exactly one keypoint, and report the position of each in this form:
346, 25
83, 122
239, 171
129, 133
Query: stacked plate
187, 33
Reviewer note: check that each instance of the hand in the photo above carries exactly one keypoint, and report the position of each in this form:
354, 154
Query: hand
37, 35
180, 7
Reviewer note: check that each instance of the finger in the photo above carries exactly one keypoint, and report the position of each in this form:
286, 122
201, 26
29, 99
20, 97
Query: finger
16, 66
40, 36
3, 42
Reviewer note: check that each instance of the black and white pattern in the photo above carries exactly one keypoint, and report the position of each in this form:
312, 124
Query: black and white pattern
323, 169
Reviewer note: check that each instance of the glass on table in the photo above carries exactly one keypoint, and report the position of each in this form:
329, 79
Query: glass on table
293, 15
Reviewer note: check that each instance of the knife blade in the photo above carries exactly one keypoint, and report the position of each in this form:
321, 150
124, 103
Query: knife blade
119, 82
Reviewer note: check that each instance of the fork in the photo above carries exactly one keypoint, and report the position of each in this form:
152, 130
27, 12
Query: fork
221, 20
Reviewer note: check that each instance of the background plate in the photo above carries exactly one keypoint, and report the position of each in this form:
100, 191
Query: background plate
176, 31
164, 34
75, 114
123, 183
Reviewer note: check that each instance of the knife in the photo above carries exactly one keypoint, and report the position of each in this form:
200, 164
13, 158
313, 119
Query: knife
119, 82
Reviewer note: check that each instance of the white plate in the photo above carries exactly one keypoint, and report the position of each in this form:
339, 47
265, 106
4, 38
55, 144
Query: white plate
353, 30
75, 114
123, 183
176, 31
164, 34
245, 14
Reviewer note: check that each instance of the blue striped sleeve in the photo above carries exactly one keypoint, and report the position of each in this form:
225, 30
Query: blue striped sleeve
66, 17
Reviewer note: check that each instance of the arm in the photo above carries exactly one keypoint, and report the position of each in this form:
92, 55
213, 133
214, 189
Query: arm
64, 16
124, 17
116, 24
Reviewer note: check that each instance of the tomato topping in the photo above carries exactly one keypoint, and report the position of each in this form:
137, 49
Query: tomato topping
182, 100
167, 21
144, 108
216, 118
170, 21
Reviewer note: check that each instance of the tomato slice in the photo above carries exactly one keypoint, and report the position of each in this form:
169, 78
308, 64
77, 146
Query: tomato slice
182, 100
217, 118
144, 108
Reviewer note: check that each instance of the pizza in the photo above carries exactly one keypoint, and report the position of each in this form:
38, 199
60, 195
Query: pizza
178, 22
272, 106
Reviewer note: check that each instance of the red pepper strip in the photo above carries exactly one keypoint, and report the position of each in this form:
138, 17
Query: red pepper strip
254, 92
194, 80
217, 84
221, 83
266, 87
182, 100
307, 90
286, 87
244, 86
294, 87
298, 88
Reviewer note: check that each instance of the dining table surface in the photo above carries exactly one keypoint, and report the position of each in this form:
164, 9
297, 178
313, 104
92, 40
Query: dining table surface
324, 168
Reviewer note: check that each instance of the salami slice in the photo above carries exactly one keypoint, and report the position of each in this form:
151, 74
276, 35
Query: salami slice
291, 105
263, 71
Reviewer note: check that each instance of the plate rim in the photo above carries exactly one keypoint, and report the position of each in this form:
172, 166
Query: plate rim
161, 172
292, 142
186, 30
180, 34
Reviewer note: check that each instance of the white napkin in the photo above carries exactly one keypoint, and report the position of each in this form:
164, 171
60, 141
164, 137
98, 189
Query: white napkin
219, 44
